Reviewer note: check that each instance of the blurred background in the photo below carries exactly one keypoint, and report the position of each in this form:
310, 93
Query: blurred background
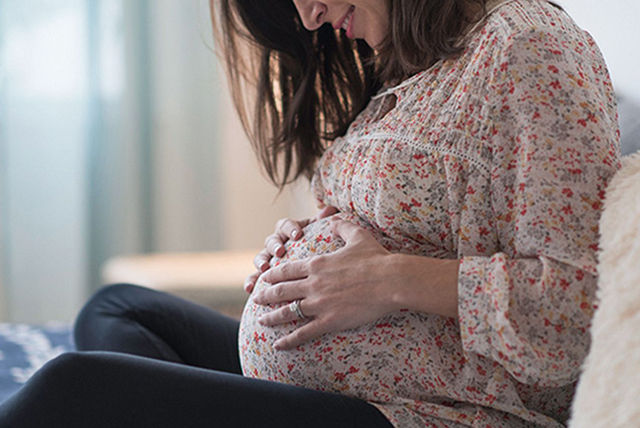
117, 137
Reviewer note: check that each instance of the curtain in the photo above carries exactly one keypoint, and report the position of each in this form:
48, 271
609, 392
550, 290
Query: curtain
108, 143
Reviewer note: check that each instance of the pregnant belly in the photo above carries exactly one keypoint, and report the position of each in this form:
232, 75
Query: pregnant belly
399, 355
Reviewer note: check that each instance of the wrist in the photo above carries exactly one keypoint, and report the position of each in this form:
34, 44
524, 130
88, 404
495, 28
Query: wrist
424, 284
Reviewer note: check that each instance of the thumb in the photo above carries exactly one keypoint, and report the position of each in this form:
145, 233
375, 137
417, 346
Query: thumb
349, 232
326, 212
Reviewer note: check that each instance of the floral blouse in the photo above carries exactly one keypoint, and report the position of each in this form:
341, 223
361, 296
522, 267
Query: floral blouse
499, 158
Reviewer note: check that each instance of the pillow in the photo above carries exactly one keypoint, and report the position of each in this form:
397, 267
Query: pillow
629, 118
609, 389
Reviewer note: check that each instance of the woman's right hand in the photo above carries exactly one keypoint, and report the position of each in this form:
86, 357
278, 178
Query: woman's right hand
286, 229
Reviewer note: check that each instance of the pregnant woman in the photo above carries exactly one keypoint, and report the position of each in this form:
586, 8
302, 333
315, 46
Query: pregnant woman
459, 151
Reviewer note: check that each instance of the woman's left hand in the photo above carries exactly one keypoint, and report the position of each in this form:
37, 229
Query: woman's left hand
338, 291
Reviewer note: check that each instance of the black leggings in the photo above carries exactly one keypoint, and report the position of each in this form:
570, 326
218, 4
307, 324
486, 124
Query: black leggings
151, 359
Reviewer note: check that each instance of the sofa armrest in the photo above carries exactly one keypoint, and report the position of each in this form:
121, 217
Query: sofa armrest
213, 279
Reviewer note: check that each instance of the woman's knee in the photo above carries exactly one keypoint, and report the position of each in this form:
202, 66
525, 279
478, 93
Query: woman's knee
114, 300
110, 299
71, 377
67, 374
53, 393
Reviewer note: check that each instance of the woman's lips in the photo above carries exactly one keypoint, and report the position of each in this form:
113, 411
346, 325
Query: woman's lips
346, 22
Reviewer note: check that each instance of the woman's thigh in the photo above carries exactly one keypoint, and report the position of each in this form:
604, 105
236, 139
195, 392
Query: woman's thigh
141, 321
106, 389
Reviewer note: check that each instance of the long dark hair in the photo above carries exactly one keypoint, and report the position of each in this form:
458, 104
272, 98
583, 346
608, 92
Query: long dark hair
297, 90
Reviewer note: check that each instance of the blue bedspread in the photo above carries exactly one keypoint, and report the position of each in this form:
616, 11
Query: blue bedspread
25, 348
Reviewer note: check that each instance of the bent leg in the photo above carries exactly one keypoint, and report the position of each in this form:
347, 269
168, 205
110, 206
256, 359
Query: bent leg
141, 321
105, 390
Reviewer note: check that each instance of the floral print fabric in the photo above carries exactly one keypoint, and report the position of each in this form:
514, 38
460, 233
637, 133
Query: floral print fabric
499, 158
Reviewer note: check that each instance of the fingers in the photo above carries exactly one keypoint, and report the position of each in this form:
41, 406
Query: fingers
304, 333
326, 212
289, 271
274, 245
283, 292
290, 229
281, 315
348, 231
261, 261
250, 282
286, 229
301, 335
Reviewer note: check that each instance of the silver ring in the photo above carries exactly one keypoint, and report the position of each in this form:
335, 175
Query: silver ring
295, 308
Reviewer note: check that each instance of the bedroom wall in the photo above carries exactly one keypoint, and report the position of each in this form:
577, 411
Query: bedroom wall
615, 26
250, 204
116, 137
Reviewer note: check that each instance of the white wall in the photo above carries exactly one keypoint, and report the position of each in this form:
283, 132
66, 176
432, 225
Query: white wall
43, 178
615, 24
193, 122
114, 141
185, 146
250, 204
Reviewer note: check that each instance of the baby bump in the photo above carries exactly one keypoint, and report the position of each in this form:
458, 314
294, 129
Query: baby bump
390, 357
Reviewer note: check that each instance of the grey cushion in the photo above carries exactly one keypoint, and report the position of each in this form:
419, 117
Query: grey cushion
629, 112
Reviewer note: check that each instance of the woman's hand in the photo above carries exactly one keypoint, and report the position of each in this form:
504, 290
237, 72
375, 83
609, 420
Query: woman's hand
286, 229
338, 291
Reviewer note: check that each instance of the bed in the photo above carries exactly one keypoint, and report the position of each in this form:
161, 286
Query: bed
25, 348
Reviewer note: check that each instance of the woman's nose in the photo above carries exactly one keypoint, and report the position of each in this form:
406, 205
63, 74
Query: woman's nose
312, 13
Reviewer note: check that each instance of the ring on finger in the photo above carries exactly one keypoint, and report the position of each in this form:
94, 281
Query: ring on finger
295, 308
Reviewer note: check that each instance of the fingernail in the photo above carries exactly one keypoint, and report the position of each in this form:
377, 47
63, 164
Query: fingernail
294, 234
264, 266
279, 250
261, 320
277, 345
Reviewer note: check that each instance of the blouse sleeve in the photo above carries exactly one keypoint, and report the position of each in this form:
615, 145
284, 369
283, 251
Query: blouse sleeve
528, 307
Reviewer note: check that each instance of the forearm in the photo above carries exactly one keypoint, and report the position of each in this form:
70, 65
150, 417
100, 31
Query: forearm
531, 315
424, 284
